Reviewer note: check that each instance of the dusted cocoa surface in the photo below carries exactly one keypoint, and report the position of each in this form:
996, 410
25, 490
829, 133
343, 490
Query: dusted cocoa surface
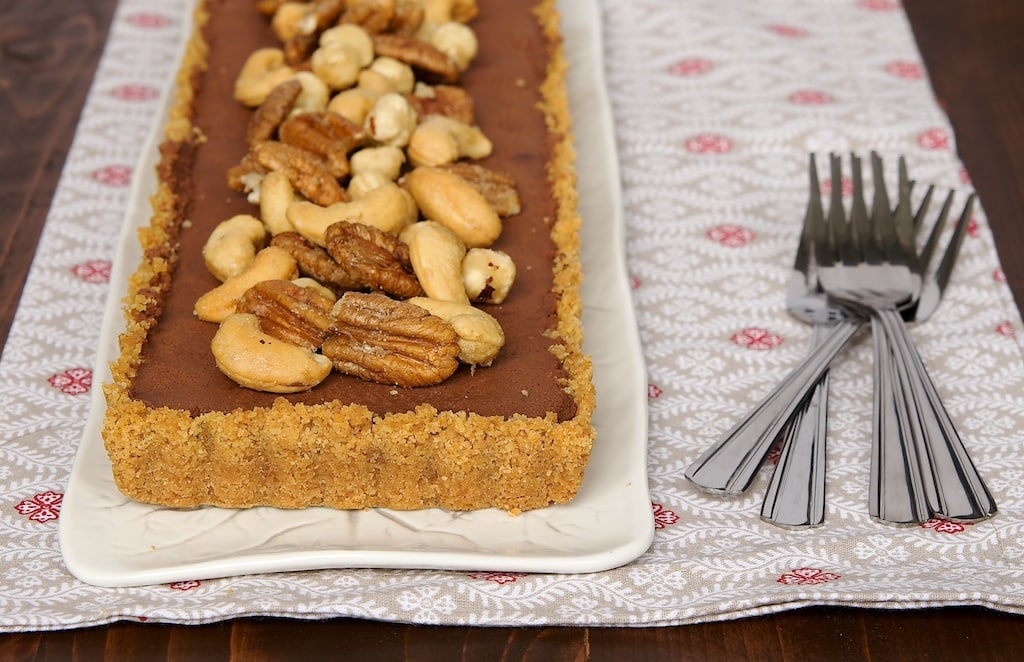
178, 370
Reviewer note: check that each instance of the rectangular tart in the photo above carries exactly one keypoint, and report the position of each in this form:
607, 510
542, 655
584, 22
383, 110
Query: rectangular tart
514, 435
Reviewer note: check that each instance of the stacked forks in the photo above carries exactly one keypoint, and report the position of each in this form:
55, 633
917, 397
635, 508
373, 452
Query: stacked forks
854, 268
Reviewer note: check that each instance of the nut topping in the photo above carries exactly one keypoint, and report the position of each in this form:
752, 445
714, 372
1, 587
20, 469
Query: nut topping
315, 262
274, 109
418, 54
307, 172
390, 342
375, 259
326, 134
289, 312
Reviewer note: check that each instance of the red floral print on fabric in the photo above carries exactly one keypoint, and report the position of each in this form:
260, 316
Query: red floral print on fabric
731, 235
1006, 329
845, 182
690, 66
905, 69
114, 175
811, 97
973, 228
935, 138
187, 585
878, 5
940, 525
73, 381
498, 577
634, 282
134, 92
663, 517
756, 338
998, 275
965, 177
93, 271
806, 577
654, 391
708, 143
790, 31
149, 20
42, 507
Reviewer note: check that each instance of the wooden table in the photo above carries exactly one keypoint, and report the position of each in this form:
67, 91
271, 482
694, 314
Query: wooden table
974, 51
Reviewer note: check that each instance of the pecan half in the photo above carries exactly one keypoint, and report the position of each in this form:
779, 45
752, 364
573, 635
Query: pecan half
374, 258
320, 16
326, 134
374, 16
498, 188
289, 312
390, 342
272, 112
408, 18
418, 54
315, 262
447, 100
307, 172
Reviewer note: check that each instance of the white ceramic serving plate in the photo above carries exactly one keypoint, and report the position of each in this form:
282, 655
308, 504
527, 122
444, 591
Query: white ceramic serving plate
109, 540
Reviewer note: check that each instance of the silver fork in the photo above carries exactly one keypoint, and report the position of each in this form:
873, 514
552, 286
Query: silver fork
795, 497
872, 265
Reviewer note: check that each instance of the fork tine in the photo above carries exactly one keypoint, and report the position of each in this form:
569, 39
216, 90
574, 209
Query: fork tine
805, 248
945, 269
928, 252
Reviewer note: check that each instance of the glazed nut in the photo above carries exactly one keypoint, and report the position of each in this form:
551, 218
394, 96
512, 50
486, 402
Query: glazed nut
386, 160
354, 104
399, 74
388, 208
497, 188
374, 16
316, 286
425, 58
447, 100
308, 173
314, 262
261, 362
263, 70
285, 20
314, 95
391, 121
276, 193
436, 255
232, 246
457, 41
359, 186
326, 134
289, 312
353, 36
440, 139
336, 64
488, 275
376, 260
271, 263
445, 197
480, 335
390, 342
275, 108
442, 11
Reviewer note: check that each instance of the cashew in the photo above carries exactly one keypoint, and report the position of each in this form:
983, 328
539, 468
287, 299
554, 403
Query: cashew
336, 64
354, 37
385, 160
354, 104
488, 274
397, 72
480, 335
276, 193
442, 11
359, 186
316, 286
285, 22
391, 121
314, 95
271, 263
439, 140
232, 246
376, 82
449, 199
259, 361
457, 41
436, 255
263, 70
388, 208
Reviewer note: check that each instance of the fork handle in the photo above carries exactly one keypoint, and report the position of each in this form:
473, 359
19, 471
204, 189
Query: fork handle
897, 486
730, 464
795, 498
957, 490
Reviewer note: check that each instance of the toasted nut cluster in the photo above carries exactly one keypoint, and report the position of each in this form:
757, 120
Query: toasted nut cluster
359, 156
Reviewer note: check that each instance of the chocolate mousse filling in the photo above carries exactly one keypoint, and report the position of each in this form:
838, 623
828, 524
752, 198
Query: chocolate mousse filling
178, 371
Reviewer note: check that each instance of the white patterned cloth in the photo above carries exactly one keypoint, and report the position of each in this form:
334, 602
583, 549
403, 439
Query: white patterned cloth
717, 103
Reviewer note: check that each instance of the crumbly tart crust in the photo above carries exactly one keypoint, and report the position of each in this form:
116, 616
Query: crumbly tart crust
335, 454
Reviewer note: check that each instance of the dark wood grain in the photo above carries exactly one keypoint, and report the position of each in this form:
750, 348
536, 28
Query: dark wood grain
974, 51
